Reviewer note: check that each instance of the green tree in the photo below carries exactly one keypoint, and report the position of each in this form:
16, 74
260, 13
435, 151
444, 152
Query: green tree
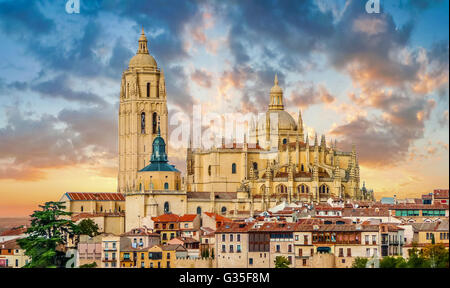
91, 265
49, 229
393, 262
281, 262
87, 227
360, 262
436, 255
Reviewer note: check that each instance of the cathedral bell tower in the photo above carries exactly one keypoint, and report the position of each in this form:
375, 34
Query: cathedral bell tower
143, 103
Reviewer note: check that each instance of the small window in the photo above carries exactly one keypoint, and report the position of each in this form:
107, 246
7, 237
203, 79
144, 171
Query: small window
148, 90
209, 170
233, 168
224, 210
143, 123
199, 210
166, 186
166, 207
284, 141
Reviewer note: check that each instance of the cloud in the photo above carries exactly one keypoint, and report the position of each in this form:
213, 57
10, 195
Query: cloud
58, 87
74, 137
24, 17
311, 94
202, 78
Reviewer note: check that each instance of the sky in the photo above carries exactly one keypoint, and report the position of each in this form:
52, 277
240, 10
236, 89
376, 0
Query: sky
379, 81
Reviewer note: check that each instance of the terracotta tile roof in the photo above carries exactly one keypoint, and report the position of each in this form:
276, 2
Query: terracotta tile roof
173, 247
365, 212
328, 208
167, 218
188, 217
186, 240
87, 196
140, 232
79, 216
10, 244
391, 227
309, 221
218, 217
441, 193
438, 226
235, 227
14, 231
276, 227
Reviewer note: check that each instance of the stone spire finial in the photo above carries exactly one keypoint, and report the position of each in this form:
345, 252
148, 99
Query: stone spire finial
143, 47
276, 96
315, 140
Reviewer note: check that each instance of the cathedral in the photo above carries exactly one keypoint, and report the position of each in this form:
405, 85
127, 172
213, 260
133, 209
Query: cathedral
233, 180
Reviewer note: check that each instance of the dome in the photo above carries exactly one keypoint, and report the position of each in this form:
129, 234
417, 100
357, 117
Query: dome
285, 120
143, 61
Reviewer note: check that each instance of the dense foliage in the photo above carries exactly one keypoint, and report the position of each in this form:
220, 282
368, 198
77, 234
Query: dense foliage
431, 256
281, 262
46, 237
87, 227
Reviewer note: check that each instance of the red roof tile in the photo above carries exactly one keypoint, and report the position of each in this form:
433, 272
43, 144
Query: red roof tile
88, 196
218, 217
441, 194
188, 217
14, 232
167, 218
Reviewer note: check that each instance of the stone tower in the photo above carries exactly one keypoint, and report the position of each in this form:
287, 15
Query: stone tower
143, 103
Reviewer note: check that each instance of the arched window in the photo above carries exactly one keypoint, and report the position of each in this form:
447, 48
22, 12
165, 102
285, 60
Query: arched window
224, 210
324, 189
281, 189
81, 208
143, 123
128, 90
140, 186
304, 189
120, 209
209, 170
154, 123
262, 189
233, 168
101, 208
255, 166
148, 90
303, 168
166, 186
285, 141
199, 210
166, 207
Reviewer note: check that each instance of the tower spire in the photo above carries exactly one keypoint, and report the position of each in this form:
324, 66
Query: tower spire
276, 96
143, 45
